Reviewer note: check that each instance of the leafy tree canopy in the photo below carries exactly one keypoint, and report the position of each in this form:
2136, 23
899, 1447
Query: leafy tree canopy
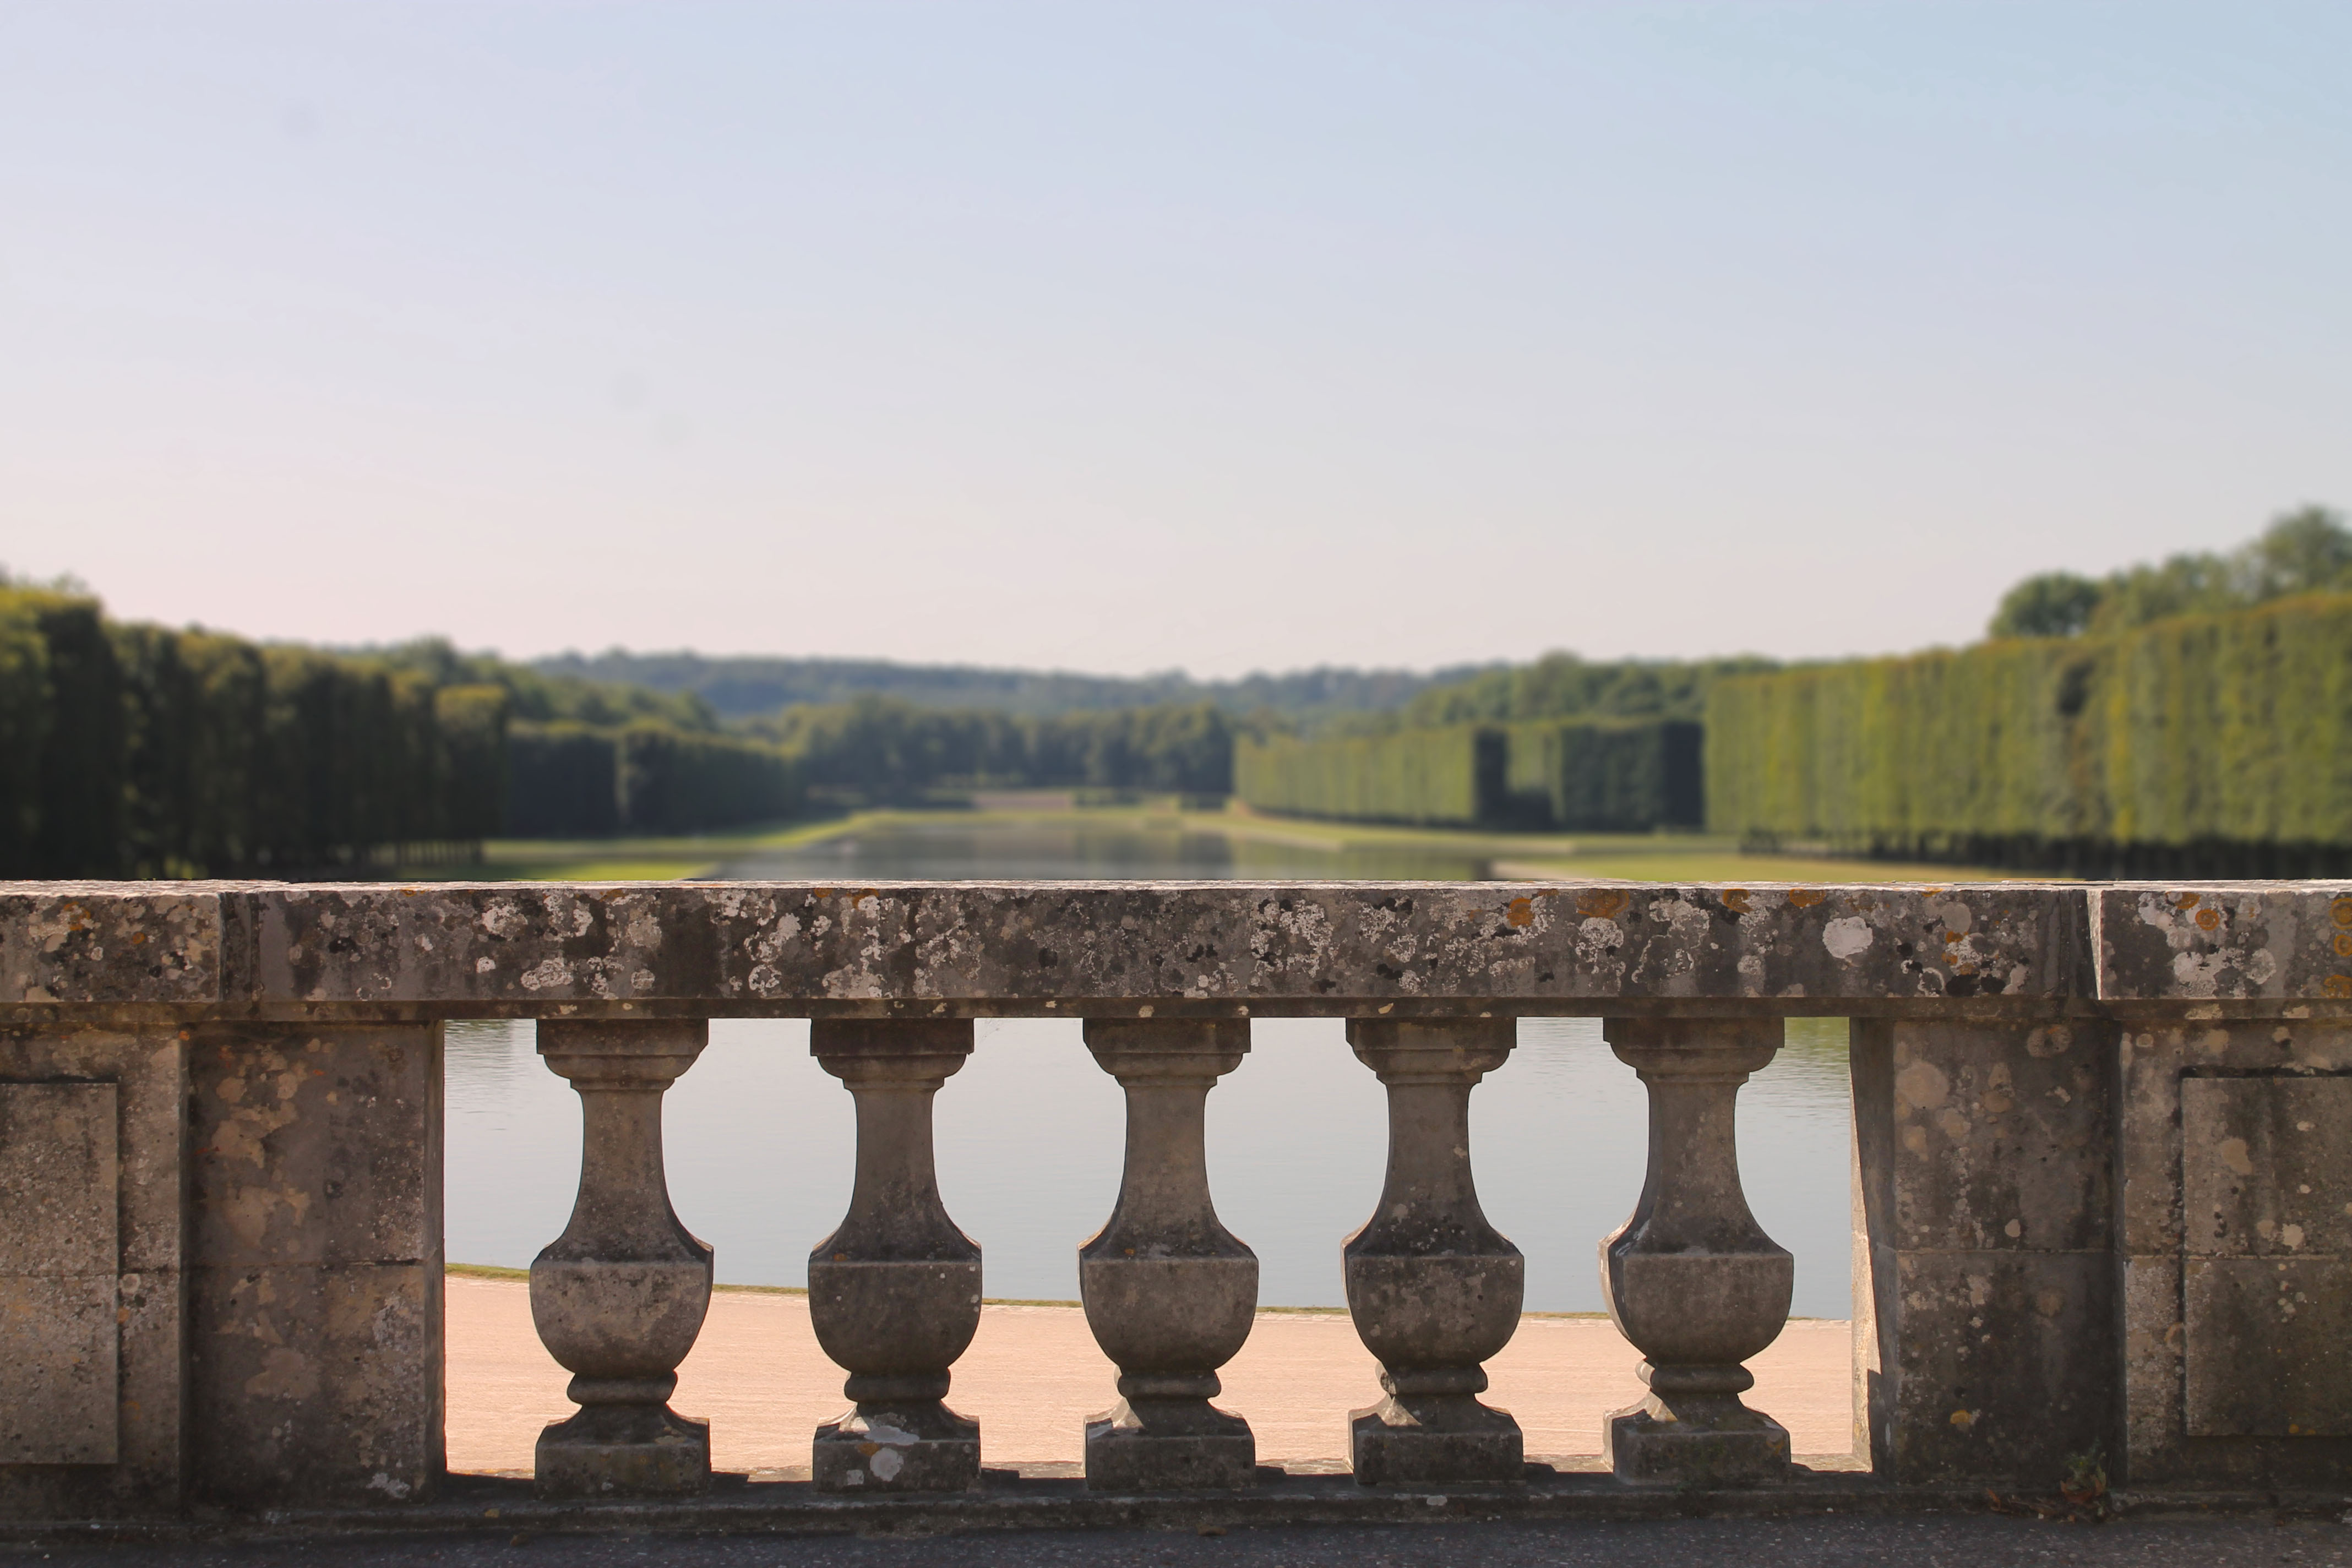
2305, 551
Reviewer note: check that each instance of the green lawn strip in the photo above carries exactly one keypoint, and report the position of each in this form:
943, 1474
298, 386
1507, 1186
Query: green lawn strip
607, 871
1740, 869
1629, 856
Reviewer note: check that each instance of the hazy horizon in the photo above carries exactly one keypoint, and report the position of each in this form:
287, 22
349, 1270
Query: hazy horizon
1118, 340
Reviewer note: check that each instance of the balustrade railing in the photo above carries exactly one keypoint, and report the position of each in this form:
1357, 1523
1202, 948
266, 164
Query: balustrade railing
2089, 1175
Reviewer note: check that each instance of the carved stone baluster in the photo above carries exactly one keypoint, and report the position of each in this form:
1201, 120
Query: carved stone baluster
1434, 1289
1169, 1293
894, 1292
1692, 1279
620, 1296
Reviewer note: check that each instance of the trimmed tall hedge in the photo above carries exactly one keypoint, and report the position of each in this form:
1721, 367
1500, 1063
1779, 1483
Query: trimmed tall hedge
139, 751
579, 781
1454, 776
1595, 776
1606, 775
2220, 744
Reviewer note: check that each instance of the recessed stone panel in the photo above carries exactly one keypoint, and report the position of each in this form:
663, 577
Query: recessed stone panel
2263, 1166
2265, 1346
57, 1249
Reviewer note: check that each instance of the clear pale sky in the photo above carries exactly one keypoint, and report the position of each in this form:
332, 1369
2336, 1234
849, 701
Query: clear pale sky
1121, 337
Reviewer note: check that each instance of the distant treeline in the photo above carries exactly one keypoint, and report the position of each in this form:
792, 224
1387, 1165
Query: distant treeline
2305, 551
1606, 774
878, 749
750, 687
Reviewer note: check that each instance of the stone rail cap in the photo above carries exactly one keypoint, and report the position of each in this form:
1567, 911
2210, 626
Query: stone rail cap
2224, 941
1036, 947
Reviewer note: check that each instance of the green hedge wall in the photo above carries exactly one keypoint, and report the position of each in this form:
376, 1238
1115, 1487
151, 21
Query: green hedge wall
580, 781
2188, 744
1606, 775
675, 781
140, 750
1617, 775
1453, 777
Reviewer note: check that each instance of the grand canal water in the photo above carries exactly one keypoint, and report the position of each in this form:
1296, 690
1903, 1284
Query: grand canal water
759, 1143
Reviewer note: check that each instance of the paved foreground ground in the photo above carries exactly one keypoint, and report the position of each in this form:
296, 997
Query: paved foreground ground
1034, 1375
1962, 1542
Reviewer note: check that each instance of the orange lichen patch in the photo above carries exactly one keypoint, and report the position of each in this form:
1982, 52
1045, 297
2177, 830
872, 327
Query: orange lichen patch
2343, 942
1520, 911
2207, 919
2184, 901
1602, 902
2341, 912
2337, 986
1736, 900
1805, 898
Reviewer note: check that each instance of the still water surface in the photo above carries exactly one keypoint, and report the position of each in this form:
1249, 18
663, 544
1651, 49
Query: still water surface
1030, 1133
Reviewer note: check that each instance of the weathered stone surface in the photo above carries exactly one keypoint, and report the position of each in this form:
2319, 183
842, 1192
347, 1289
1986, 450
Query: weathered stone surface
2100, 1197
59, 1384
619, 1298
2272, 941
1983, 1280
1287, 947
316, 1385
2266, 1283
2211, 1150
1997, 1367
1169, 1293
1691, 1279
311, 1143
2265, 1346
107, 1264
1985, 1137
110, 942
314, 1363
1434, 1289
894, 1291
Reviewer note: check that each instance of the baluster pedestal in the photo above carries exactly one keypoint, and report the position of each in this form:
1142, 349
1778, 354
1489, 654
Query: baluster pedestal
1169, 1292
619, 1298
1691, 1279
894, 1292
1434, 1289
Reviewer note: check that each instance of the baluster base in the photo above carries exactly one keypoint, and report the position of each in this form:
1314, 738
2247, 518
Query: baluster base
1169, 1444
619, 1450
1723, 1444
897, 1449
1435, 1438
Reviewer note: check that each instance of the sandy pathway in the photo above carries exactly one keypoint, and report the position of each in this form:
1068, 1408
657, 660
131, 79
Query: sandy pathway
1034, 1375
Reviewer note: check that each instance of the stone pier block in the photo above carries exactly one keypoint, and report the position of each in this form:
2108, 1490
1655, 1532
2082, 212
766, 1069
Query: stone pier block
314, 1360
917, 1450
1169, 1445
1742, 1448
1388, 1446
604, 1451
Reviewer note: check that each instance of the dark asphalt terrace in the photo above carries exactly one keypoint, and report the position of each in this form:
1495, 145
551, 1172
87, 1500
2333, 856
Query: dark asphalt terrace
1969, 1541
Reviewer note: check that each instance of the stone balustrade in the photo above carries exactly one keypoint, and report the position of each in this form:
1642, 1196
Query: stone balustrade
2100, 1205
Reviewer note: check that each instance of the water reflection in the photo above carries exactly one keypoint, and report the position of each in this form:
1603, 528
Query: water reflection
948, 851
1030, 1144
